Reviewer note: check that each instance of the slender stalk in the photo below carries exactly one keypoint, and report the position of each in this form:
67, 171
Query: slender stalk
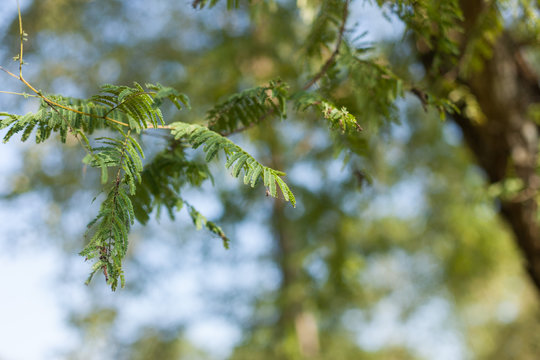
21, 35
17, 93
335, 53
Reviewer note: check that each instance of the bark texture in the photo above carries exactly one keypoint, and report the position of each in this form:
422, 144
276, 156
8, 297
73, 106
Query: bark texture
506, 144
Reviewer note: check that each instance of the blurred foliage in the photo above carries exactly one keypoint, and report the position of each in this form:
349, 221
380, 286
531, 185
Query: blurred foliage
397, 214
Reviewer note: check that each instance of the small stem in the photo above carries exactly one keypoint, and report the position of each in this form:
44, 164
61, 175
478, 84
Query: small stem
38, 93
9, 72
21, 32
16, 93
335, 53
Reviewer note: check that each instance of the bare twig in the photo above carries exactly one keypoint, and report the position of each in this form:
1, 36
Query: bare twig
21, 35
422, 96
9, 72
335, 53
17, 93
49, 102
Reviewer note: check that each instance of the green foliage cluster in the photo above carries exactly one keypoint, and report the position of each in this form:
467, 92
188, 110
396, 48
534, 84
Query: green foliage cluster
237, 158
326, 26
376, 86
135, 187
162, 181
68, 114
114, 105
249, 107
337, 118
436, 23
343, 253
108, 236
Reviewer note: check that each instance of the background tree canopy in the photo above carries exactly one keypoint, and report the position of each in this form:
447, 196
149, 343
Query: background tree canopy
406, 226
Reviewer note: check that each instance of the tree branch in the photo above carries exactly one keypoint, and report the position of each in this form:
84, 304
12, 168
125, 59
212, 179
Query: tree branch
335, 53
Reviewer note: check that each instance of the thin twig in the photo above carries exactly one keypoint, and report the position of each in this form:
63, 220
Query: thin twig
9, 72
335, 53
422, 96
16, 93
50, 102
21, 35
54, 103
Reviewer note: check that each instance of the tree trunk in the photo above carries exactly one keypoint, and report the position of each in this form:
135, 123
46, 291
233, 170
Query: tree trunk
506, 144
294, 319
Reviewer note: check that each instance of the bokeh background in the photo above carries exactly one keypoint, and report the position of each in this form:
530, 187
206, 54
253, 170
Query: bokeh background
395, 254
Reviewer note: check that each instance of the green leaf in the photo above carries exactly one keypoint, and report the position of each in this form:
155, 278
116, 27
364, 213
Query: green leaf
249, 107
198, 134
